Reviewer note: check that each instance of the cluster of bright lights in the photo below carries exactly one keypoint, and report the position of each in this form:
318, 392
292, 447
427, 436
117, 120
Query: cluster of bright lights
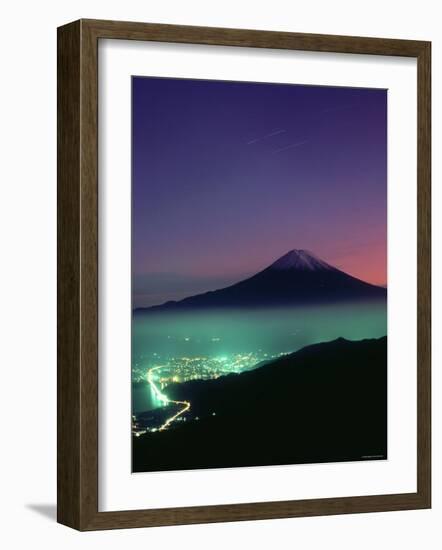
158, 393
184, 369
184, 405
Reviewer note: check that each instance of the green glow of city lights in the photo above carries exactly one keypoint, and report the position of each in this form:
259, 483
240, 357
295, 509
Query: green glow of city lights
163, 398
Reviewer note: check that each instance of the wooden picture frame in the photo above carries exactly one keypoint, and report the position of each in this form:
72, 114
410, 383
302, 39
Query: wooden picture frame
78, 274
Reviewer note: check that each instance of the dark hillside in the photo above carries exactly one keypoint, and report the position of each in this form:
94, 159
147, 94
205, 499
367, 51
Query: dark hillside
324, 403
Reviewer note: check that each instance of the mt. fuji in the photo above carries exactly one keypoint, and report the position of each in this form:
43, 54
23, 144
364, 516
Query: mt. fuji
296, 278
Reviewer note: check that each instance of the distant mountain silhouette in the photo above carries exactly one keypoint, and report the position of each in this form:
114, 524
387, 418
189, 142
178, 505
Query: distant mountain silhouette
325, 403
298, 277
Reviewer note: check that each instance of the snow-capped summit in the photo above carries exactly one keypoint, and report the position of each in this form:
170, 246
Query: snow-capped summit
301, 260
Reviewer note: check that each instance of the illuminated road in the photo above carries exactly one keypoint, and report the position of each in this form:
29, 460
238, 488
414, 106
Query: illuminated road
164, 399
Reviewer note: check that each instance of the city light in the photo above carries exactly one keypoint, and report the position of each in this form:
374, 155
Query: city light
177, 370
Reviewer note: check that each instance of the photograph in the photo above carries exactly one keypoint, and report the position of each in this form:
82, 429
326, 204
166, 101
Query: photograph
259, 274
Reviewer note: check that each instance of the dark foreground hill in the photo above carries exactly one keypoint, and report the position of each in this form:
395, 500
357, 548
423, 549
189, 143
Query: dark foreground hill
297, 278
324, 403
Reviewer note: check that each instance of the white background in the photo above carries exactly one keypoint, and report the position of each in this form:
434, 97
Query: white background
118, 488
27, 218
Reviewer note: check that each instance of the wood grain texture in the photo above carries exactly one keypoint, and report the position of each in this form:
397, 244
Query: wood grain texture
252, 38
68, 276
424, 274
78, 274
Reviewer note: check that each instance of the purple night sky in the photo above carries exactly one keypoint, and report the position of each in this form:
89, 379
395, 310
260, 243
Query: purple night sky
229, 176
